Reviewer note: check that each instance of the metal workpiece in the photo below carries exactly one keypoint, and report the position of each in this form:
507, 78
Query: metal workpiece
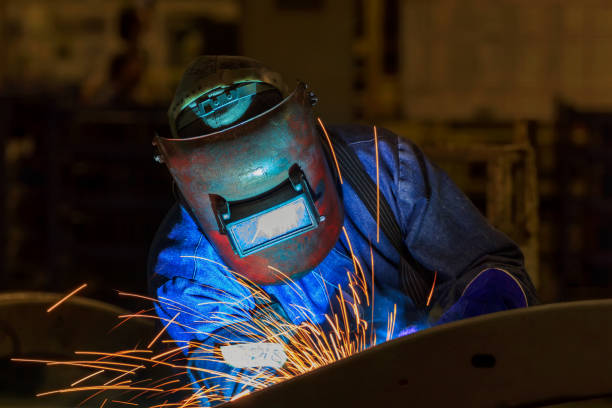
524, 357
28, 331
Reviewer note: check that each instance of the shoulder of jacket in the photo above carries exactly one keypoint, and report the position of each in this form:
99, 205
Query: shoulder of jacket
355, 133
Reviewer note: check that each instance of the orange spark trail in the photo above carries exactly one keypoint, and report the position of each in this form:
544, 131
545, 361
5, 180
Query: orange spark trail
163, 330
136, 296
372, 340
100, 387
62, 300
121, 375
289, 281
331, 148
377, 188
175, 351
242, 394
128, 318
105, 399
432, 288
205, 259
350, 248
73, 363
95, 394
169, 382
51, 363
87, 377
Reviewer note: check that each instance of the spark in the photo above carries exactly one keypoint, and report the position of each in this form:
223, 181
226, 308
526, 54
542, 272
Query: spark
86, 378
372, 332
205, 259
169, 352
130, 357
137, 296
169, 382
350, 248
87, 364
377, 188
240, 395
124, 353
98, 387
391, 322
432, 288
331, 147
90, 397
62, 300
288, 280
121, 375
128, 318
163, 330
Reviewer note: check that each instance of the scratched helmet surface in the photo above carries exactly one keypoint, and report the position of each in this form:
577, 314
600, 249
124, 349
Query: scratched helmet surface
245, 155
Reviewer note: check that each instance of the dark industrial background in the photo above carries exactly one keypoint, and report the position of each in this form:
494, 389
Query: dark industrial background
512, 98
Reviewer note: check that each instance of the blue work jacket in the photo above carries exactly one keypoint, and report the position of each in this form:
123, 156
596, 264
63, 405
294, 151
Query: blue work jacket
440, 226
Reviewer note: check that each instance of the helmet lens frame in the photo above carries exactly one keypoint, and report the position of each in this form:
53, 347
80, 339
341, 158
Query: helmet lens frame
282, 213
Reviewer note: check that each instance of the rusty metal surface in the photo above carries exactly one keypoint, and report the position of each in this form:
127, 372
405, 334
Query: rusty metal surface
533, 357
249, 159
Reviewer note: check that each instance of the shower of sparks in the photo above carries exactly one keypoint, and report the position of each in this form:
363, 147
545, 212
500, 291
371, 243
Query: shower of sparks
307, 346
331, 147
62, 300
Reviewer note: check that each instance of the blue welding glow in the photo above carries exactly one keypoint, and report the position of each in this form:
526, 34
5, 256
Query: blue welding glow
280, 223
410, 329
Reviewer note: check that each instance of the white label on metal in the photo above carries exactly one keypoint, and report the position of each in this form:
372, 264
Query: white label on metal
254, 355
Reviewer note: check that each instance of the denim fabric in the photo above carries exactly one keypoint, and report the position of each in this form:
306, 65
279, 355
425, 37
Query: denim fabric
441, 228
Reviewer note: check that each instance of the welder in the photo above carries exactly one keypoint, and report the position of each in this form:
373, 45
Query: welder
267, 192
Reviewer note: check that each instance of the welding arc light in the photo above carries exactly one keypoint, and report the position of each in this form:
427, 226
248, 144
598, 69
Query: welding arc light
276, 216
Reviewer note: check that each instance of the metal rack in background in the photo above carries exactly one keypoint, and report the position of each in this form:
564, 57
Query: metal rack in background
509, 190
106, 194
4, 118
584, 182
88, 199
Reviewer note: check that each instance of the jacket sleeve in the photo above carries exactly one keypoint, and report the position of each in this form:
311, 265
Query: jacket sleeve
202, 305
446, 233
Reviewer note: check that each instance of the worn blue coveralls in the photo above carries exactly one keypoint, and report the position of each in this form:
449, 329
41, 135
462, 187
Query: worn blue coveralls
440, 226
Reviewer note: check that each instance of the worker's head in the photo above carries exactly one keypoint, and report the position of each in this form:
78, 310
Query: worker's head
246, 157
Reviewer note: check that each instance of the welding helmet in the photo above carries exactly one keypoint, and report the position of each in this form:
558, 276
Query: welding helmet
246, 157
